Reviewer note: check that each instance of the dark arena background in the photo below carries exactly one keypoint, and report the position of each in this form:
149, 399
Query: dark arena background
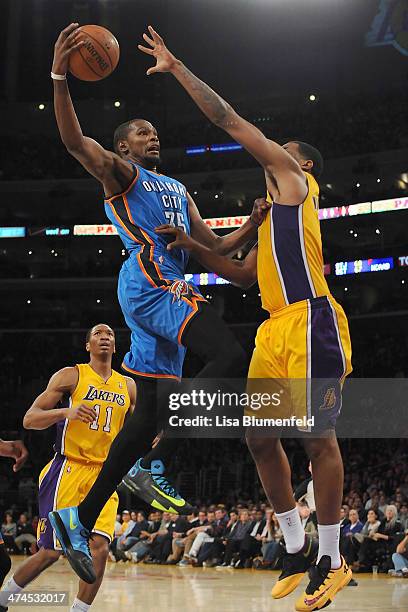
330, 72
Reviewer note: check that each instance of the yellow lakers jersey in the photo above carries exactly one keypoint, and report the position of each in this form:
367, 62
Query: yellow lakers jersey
90, 442
290, 258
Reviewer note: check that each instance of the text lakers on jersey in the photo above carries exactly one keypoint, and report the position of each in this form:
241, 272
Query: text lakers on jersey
90, 442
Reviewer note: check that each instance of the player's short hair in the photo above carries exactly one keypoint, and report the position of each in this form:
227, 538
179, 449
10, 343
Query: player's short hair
122, 132
89, 332
310, 152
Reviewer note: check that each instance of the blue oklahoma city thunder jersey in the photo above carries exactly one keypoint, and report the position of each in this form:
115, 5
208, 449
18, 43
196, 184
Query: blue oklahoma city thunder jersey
152, 199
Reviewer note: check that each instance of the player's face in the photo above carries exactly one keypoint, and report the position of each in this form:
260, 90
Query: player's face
101, 341
293, 149
144, 144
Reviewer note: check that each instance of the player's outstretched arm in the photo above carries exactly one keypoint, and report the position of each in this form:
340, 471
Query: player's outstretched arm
232, 242
278, 164
99, 162
43, 414
242, 273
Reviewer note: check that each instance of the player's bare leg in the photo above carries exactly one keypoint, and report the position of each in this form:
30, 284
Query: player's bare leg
328, 476
274, 471
27, 572
275, 474
99, 549
331, 572
44, 558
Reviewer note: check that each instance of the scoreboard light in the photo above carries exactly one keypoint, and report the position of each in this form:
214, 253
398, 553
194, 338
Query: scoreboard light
12, 232
363, 265
403, 261
204, 279
57, 231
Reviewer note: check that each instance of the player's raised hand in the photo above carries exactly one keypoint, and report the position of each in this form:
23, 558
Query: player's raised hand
69, 40
165, 60
86, 414
181, 240
259, 211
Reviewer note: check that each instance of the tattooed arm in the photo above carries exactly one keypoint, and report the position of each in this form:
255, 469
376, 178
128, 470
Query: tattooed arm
281, 168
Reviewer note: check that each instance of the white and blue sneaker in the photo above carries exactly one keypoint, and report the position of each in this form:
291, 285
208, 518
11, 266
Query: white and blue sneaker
74, 539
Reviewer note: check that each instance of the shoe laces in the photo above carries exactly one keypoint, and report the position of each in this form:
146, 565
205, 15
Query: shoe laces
165, 485
318, 574
88, 536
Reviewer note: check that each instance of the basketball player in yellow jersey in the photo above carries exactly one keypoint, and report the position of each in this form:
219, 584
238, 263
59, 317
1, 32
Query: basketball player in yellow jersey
99, 400
305, 337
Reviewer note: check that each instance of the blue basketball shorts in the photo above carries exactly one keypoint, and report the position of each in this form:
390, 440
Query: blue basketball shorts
158, 305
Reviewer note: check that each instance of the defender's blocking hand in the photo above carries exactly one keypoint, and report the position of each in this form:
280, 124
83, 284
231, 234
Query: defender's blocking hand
165, 60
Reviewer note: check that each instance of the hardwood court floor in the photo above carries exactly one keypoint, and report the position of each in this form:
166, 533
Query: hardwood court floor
150, 588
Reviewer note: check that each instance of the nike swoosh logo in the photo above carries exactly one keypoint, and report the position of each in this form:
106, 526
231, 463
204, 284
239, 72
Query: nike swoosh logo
314, 600
176, 502
71, 523
306, 554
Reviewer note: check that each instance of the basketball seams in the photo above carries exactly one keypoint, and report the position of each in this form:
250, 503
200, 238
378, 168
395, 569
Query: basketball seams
103, 53
106, 53
89, 66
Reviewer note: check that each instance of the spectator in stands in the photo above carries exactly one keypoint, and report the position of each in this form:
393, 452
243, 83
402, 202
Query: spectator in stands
382, 504
252, 542
347, 541
307, 519
143, 546
373, 499
377, 549
118, 527
191, 535
25, 534
131, 537
205, 535
180, 537
9, 531
344, 519
236, 537
400, 559
118, 542
403, 515
207, 554
271, 538
161, 541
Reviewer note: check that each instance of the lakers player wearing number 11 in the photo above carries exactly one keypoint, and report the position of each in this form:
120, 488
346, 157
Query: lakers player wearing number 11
95, 401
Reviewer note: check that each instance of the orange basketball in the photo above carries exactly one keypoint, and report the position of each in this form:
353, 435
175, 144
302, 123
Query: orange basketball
98, 57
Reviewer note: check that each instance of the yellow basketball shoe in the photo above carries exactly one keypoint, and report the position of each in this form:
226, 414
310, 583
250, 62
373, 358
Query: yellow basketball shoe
324, 584
294, 567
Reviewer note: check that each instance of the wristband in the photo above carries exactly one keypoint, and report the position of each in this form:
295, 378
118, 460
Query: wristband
58, 77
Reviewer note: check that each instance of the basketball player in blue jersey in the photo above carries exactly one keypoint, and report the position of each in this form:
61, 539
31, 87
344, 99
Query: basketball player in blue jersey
165, 314
17, 451
305, 339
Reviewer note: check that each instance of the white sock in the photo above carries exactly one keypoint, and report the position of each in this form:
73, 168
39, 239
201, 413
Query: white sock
10, 588
329, 538
292, 530
79, 605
